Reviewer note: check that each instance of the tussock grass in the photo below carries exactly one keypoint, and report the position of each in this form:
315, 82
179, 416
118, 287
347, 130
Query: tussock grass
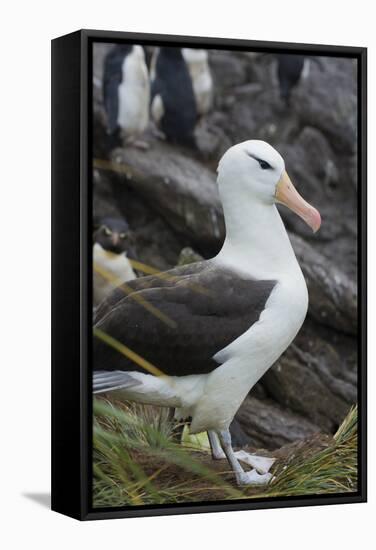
133, 449
136, 461
332, 470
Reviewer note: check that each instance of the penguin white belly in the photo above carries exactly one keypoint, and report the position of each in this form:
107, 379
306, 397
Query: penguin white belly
157, 109
134, 95
306, 69
110, 270
203, 89
198, 66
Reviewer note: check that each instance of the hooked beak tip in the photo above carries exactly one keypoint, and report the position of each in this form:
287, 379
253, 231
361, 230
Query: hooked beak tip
287, 195
316, 221
311, 216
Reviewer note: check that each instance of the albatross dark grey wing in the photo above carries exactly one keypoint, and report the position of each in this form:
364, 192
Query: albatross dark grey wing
201, 309
159, 280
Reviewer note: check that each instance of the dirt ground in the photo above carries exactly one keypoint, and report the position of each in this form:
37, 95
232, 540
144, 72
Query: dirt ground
199, 489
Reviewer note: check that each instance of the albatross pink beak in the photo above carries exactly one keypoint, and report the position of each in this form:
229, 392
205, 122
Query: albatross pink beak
287, 194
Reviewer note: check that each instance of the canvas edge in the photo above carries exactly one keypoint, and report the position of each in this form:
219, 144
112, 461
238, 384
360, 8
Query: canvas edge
84, 420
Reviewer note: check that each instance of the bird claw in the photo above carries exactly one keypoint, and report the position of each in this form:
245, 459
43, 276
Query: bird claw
253, 478
260, 463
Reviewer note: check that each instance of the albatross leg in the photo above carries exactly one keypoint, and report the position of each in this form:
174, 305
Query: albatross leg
215, 447
242, 477
260, 463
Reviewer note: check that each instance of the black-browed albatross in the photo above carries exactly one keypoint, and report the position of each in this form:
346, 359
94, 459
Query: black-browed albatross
226, 320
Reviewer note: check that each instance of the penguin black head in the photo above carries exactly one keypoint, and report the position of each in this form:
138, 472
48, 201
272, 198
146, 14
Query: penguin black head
289, 70
122, 49
171, 52
114, 235
115, 57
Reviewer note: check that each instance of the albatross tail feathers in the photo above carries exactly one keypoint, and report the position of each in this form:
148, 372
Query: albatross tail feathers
105, 381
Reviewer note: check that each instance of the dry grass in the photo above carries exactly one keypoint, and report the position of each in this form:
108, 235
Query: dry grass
136, 461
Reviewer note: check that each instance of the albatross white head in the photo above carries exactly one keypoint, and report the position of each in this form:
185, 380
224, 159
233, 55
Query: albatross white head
252, 178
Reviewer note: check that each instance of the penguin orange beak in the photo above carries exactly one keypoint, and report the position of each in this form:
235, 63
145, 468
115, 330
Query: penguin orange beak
287, 195
115, 239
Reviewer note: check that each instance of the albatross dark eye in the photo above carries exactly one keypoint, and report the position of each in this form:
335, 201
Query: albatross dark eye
264, 165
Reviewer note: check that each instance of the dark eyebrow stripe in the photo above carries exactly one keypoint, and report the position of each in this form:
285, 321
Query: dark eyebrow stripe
254, 157
258, 159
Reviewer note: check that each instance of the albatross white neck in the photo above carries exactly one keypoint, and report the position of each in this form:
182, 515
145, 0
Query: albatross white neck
256, 239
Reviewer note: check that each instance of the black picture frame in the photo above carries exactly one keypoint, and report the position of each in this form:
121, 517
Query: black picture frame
71, 281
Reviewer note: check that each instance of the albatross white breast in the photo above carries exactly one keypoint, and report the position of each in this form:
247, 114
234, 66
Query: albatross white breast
223, 321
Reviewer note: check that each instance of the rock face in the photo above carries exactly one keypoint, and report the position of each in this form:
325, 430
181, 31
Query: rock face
155, 243
327, 100
178, 187
170, 199
311, 379
333, 294
268, 425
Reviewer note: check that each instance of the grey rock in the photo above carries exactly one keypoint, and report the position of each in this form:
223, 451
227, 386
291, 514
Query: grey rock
327, 100
310, 379
178, 187
264, 423
333, 296
211, 140
155, 244
188, 256
228, 69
